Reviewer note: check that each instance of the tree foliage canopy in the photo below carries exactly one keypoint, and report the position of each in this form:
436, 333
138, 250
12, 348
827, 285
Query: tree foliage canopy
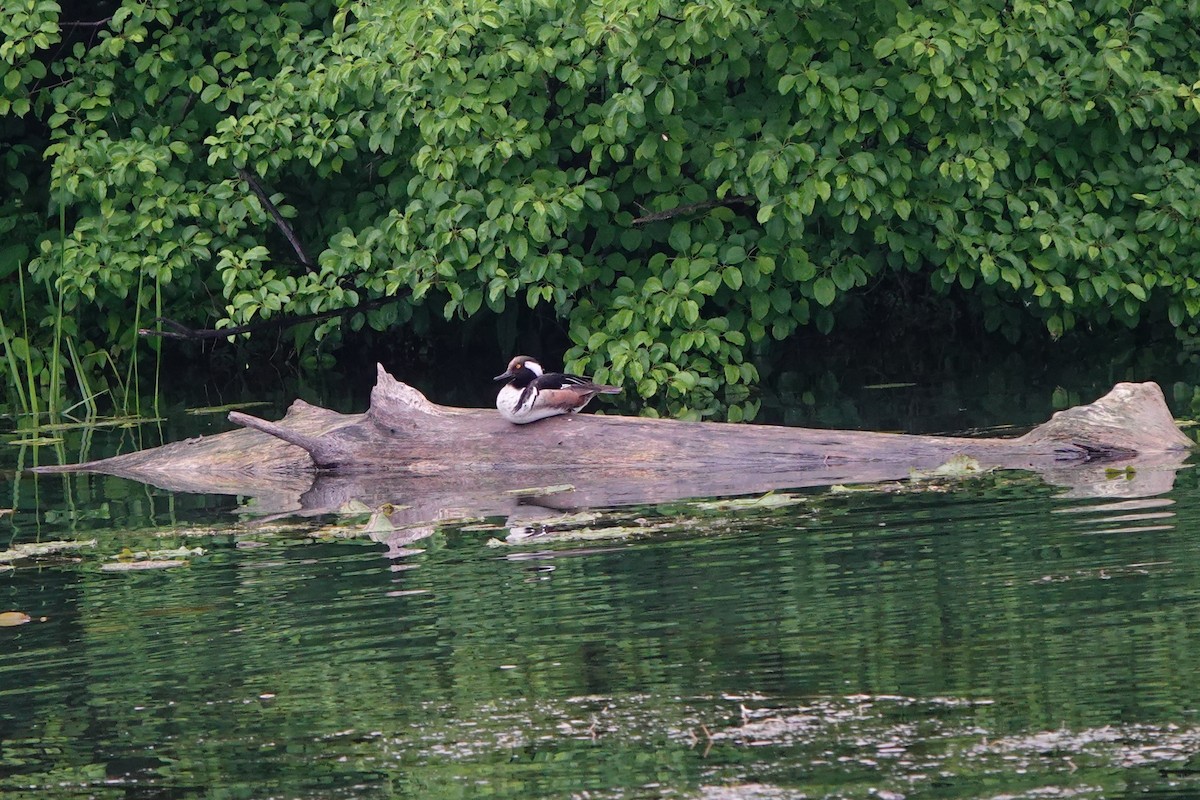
675, 181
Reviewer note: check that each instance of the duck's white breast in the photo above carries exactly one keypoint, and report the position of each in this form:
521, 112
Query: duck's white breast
510, 396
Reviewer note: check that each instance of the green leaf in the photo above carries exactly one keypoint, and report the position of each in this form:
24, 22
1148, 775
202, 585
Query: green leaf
781, 300
664, 101
1055, 326
680, 237
760, 305
733, 254
843, 276
758, 163
777, 55
824, 291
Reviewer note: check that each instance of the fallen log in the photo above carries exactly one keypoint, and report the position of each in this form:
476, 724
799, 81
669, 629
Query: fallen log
405, 449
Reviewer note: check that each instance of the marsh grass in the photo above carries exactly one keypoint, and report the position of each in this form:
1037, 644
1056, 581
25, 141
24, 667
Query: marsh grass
13, 360
19, 354
38, 377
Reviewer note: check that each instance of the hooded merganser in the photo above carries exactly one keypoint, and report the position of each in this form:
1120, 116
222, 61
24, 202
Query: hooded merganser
531, 393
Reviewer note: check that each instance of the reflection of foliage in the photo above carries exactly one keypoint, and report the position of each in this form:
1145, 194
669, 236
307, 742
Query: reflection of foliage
674, 182
951, 388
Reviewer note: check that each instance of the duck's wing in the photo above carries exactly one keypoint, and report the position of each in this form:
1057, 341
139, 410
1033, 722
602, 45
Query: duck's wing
560, 380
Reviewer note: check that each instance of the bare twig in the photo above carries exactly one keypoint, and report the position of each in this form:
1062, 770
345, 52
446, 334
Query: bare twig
179, 331
659, 216
81, 24
282, 223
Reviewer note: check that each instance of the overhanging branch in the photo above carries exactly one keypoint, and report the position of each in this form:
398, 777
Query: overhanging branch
179, 331
659, 216
280, 222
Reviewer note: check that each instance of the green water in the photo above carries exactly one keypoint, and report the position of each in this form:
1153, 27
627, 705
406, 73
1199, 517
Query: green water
983, 638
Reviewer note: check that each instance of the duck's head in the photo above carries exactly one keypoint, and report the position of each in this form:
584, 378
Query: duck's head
521, 366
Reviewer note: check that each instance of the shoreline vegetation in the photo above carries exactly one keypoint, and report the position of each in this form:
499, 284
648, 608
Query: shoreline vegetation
669, 194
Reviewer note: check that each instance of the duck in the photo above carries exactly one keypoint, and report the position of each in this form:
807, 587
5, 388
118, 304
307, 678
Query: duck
530, 393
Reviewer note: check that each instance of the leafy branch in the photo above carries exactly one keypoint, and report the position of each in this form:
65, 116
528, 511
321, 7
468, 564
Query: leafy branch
280, 222
690, 208
179, 331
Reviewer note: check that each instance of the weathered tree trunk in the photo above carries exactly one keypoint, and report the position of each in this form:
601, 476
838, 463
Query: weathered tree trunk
405, 449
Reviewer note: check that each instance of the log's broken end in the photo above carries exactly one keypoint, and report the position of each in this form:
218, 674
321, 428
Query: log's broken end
1131, 419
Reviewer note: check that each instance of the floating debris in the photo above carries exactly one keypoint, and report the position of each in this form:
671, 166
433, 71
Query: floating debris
159, 555
36, 441
134, 566
39, 549
124, 421
539, 491
856, 488
959, 466
225, 409
11, 619
769, 500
